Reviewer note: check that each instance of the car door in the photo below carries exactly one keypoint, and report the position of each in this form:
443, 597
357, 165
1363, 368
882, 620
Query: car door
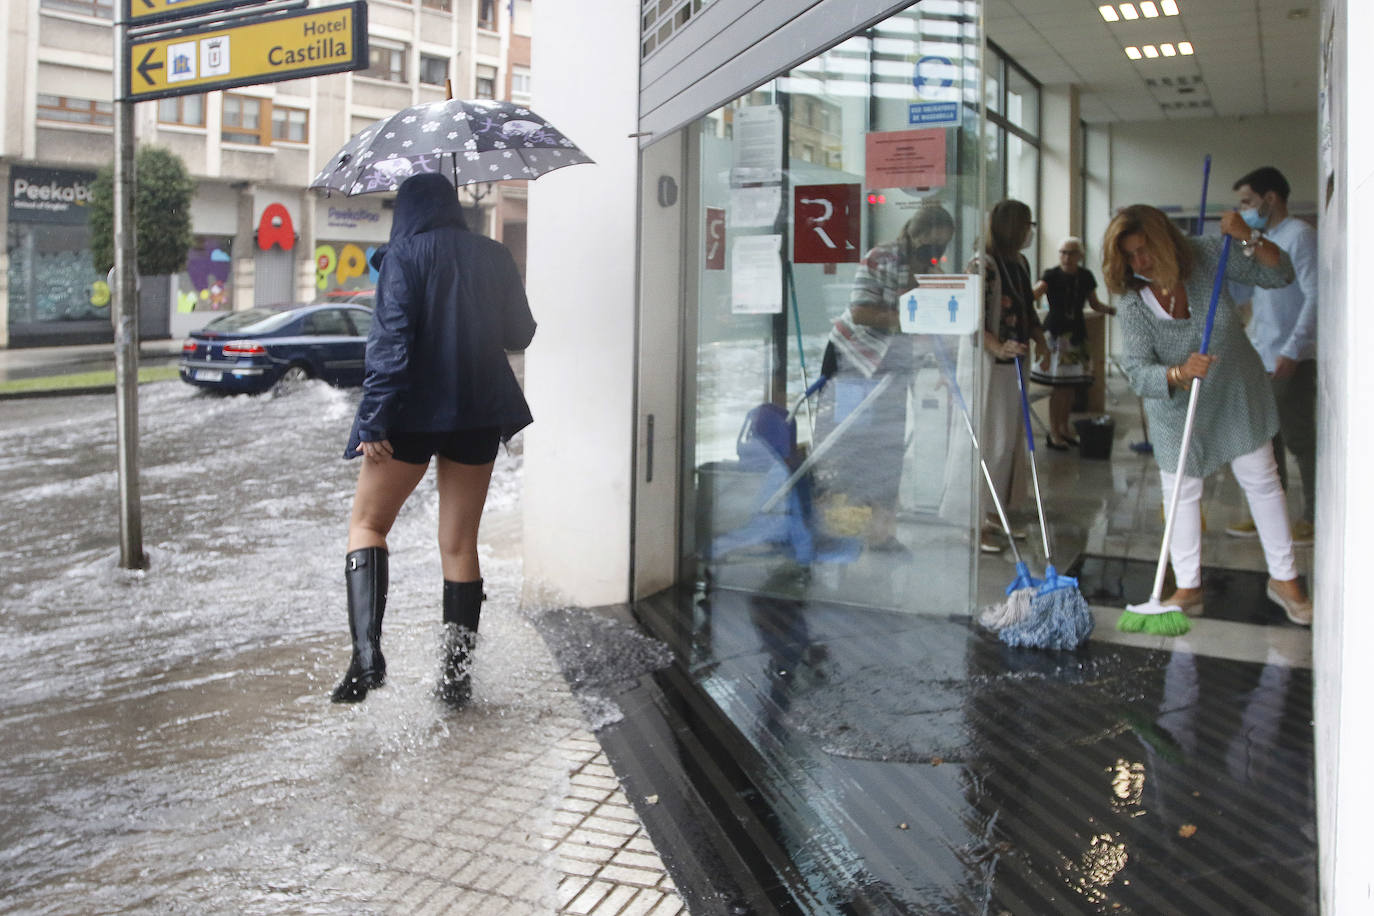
332, 345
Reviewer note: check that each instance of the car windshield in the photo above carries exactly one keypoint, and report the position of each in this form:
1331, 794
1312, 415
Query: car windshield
252, 321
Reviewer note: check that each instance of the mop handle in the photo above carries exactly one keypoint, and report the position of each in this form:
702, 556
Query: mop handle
1035, 474
943, 359
1202, 211
1188, 425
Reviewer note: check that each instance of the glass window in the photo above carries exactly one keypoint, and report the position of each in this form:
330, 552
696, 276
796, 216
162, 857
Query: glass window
246, 120
1023, 101
813, 234
386, 61
486, 82
486, 14
188, 110
520, 83
328, 323
362, 321
445, 5
75, 111
290, 124
433, 70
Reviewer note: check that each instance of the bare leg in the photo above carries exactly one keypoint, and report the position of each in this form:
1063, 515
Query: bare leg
462, 495
382, 489
1061, 404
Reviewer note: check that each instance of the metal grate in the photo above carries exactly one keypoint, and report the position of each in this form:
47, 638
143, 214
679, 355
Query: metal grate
661, 19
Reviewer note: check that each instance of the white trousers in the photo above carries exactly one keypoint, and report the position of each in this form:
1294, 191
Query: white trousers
1258, 475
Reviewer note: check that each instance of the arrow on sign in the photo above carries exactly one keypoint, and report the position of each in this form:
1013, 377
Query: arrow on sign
149, 4
144, 66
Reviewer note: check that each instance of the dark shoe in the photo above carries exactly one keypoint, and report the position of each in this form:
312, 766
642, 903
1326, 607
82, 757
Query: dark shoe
365, 573
1057, 446
1071, 442
462, 610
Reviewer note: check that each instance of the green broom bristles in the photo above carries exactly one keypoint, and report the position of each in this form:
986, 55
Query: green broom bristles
1169, 623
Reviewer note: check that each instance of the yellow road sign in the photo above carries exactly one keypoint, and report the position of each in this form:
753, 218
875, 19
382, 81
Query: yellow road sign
264, 49
141, 12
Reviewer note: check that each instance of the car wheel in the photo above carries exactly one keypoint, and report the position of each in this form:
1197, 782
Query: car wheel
294, 375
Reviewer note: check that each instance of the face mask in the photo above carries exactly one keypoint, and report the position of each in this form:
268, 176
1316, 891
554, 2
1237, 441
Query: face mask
928, 255
1252, 217
1030, 240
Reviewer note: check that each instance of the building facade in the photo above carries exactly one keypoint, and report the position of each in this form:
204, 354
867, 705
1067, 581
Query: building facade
259, 237
681, 299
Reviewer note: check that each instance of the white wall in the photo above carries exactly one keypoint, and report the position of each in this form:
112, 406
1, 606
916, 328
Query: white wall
1343, 631
579, 372
1160, 163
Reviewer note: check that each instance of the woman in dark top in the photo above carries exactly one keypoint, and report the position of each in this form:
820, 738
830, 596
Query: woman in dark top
449, 305
1068, 364
1009, 324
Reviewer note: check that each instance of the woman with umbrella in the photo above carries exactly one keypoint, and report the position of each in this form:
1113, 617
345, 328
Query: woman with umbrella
1164, 279
450, 303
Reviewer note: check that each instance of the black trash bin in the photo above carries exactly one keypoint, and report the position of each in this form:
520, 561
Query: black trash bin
1095, 435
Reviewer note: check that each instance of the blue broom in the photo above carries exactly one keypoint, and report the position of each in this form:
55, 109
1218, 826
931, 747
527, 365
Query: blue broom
1152, 616
1022, 588
1060, 617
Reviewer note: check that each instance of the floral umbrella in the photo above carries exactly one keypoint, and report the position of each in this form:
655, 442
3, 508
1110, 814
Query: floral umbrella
466, 141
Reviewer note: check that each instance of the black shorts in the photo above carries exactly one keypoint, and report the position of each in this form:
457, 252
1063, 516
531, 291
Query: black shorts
465, 446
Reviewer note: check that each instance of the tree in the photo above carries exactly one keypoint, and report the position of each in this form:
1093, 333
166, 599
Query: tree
162, 213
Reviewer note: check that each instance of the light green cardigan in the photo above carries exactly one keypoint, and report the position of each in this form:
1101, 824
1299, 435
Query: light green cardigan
1235, 411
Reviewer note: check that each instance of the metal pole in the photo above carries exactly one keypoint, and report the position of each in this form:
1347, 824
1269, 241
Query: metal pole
125, 315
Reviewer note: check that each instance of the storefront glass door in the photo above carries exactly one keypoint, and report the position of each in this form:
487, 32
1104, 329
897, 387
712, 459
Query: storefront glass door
839, 206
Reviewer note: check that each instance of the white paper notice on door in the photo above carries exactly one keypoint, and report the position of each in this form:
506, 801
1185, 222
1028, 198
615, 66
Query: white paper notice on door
756, 275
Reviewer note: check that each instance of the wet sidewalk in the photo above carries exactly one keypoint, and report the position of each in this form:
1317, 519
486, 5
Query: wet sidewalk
170, 743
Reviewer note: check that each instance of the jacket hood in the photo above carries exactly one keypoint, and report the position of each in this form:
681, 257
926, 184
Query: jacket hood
425, 202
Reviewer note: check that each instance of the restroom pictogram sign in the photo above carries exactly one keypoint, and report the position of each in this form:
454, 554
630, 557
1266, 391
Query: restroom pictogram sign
825, 220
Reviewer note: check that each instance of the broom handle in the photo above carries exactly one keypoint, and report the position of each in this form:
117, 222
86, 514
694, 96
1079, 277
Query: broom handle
1193, 393
1035, 474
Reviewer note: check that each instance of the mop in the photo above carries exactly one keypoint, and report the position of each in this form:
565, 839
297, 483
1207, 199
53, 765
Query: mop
1019, 592
1060, 617
1152, 616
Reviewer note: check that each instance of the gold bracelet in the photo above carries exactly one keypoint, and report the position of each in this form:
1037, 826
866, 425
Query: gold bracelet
1173, 376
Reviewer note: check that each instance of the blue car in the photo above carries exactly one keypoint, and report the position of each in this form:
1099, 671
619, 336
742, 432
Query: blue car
251, 351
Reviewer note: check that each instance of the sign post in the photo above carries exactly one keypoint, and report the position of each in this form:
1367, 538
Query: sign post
124, 315
156, 56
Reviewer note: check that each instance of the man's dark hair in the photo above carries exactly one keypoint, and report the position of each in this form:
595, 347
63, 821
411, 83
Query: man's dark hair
1263, 180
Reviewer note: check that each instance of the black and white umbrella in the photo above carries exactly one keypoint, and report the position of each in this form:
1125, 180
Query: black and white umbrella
466, 141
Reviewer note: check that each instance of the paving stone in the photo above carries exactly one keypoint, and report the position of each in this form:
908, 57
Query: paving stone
639, 877
632, 859
585, 903
614, 902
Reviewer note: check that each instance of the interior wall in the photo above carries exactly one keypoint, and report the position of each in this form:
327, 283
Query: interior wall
579, 371
1061, 156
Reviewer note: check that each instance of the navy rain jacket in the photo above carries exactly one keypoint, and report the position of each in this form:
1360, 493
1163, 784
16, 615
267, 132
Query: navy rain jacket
449, 305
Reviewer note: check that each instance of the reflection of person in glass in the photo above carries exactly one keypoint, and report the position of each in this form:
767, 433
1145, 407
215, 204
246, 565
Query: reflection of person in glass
1068, 364
865, 346
1009, 323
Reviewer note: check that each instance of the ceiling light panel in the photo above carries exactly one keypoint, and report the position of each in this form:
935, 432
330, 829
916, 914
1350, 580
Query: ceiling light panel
1133, 53
1169, 6
1149, 9
1128, 11
1108, 12
1167, 49
1150, 51
1185, 47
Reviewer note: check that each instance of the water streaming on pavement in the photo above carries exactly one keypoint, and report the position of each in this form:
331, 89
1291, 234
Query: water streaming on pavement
169, 740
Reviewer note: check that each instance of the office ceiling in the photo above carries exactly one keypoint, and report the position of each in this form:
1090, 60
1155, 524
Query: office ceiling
1251, 57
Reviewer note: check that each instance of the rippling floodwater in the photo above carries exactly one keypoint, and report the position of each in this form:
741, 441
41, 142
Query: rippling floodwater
169, 744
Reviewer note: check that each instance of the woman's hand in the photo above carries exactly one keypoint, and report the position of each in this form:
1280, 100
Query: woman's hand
1010, 349
1234, 225
1195, 366
376, 451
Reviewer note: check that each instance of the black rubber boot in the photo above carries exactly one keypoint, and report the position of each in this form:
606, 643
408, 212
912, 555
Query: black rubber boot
462, 609
365, 572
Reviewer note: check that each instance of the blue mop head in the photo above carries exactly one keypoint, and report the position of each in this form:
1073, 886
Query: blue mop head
1060, 617
1017, 607
1023, 579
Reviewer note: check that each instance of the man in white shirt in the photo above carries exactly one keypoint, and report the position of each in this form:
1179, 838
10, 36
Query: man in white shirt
1283, 328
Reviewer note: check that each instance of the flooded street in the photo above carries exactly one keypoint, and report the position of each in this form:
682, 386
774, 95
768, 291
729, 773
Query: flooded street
169, 744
